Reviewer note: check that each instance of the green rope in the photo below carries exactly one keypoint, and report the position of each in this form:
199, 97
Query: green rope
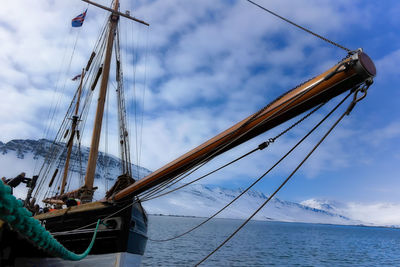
21, 220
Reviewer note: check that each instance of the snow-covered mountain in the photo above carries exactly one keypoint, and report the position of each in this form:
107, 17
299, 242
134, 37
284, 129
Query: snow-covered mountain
27, 156
205, 200
194, 200
387, 214
34, 151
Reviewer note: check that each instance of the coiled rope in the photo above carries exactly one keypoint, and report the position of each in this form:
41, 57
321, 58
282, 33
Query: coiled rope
21, 220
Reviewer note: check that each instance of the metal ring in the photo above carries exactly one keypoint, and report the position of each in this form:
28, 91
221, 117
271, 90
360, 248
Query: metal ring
359, 98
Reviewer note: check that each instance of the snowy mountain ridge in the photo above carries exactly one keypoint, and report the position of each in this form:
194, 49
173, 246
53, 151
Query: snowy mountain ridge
38, 149
373, 214
205, 200
196, 199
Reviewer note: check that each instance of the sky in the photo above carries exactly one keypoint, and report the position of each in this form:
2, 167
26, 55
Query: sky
201, 67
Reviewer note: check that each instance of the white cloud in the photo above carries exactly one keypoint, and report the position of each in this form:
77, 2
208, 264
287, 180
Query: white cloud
388, 67
378, 213
385, 134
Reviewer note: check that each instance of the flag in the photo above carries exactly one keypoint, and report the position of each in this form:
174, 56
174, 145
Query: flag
78, 20
77, 77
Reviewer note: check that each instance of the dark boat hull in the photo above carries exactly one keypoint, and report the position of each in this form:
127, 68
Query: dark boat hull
124, 230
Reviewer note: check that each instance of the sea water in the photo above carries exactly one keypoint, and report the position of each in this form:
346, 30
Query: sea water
262, 243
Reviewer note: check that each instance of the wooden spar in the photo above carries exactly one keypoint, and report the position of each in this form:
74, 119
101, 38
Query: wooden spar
87, 189
344, 76
116, 12
71, 140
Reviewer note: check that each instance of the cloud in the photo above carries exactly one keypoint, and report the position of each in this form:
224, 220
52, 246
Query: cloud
379, 213
389, 65
385, 134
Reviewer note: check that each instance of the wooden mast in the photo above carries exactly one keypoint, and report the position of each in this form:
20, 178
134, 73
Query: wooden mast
71, 140
344, 76
85, 193
87, 190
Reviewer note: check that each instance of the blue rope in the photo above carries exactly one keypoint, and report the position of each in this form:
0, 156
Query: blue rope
21, 220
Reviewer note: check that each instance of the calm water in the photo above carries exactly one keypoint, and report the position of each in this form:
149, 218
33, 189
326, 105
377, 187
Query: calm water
270, 244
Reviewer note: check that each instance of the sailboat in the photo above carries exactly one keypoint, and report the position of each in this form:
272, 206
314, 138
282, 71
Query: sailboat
121, 228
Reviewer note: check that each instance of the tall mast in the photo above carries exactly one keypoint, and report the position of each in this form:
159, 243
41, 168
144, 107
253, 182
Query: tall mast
71, 140
87, 189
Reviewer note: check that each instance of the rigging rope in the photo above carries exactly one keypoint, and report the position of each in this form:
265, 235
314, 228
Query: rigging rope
54, 150
255, 182
300, 27
347, 112
59, 74
53, 121
135, 104
282, 105
143, 103
109, 216
259, 147
262, 176
81, 177
168, 183
106, 163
